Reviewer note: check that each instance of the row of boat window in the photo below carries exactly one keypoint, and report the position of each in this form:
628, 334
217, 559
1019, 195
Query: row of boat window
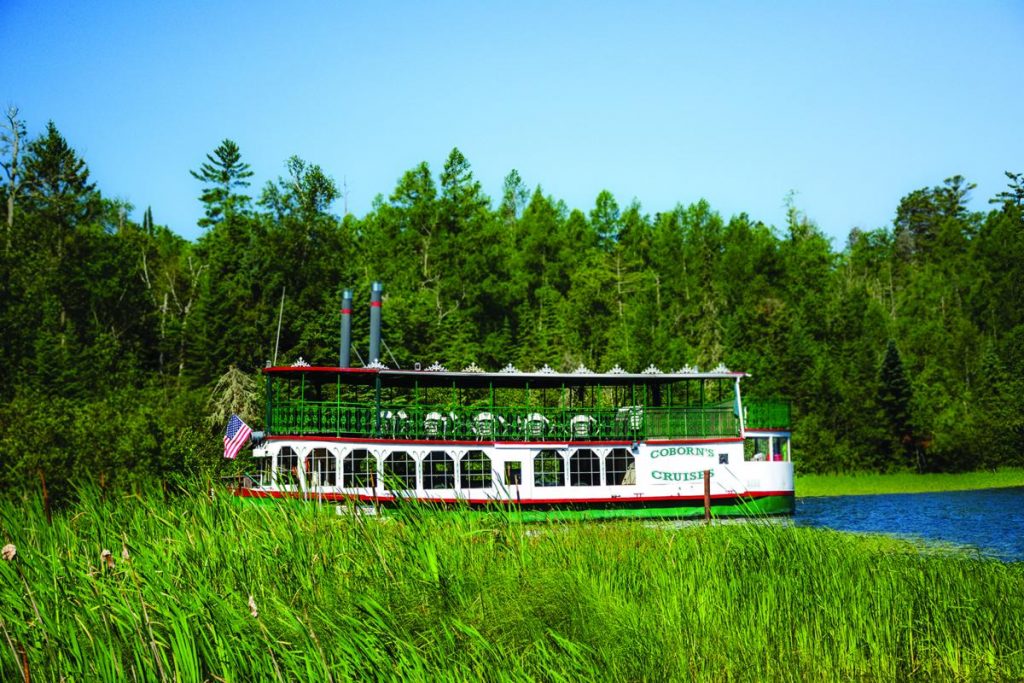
439, 470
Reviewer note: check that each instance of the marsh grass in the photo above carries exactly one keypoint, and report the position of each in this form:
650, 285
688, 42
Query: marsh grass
426, 594
867, 483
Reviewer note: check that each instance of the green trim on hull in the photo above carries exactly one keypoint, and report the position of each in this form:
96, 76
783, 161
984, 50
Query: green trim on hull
761, 506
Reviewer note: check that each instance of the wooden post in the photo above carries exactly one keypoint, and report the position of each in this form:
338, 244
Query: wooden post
707, 496
46, 498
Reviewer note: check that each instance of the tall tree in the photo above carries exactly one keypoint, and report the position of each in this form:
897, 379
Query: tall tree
894, 400
1014, 196
57, 186
606, 217
12, 133
514, 197
306, 193
225, 174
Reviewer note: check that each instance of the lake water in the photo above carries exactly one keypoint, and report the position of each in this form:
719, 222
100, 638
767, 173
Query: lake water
991, 520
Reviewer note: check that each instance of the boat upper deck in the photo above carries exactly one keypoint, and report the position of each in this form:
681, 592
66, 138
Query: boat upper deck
435, 404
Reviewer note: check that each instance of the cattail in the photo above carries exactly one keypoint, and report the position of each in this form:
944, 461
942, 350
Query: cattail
9, 552
107, 557
252, 607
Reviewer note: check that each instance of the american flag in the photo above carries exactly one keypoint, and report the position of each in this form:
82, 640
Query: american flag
236, 436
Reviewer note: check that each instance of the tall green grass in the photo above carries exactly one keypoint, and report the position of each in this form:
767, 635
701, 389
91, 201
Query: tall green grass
446, 595
864, 483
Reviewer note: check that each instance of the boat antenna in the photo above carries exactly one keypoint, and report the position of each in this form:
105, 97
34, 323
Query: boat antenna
280, 315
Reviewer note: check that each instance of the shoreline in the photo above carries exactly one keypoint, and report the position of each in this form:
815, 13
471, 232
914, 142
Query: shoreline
870, 483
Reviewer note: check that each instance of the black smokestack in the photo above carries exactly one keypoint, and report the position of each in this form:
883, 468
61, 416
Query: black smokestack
375, 300
346, 329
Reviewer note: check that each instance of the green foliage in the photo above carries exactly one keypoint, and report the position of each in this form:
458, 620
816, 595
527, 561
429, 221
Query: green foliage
872, 483
197, 588
94, 305
224, 173
895, 397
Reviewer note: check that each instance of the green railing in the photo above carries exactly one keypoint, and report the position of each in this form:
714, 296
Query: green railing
767, 414
630, 423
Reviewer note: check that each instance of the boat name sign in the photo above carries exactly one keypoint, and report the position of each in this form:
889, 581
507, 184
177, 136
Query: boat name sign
682, 450
659, 475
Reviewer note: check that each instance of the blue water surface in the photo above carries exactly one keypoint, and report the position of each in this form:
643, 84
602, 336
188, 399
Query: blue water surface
990, 520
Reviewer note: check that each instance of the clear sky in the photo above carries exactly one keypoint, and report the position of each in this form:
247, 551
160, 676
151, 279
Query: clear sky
850, 104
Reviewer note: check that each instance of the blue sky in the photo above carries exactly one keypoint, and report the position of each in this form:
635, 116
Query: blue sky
850, 104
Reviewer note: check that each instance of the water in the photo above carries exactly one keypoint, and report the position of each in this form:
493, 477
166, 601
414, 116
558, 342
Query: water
991, 520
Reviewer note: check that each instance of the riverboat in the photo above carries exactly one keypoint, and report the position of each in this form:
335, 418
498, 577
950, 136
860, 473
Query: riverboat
538, 445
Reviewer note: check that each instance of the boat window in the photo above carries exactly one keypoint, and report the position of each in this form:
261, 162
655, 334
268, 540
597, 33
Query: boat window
759, 448
322, 468
399, 472
513, 472
584, 468
287, 466
438, 471
781, 448
548, 469
476, 471
620, 468
262, 477
359, 469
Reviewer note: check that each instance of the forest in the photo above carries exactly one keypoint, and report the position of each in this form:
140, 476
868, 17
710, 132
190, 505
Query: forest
125, 346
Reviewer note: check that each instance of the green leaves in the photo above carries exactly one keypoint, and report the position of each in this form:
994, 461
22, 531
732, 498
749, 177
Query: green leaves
93, 304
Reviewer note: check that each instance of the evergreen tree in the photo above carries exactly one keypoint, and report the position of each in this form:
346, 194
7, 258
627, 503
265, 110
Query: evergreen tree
606, 217
514, 197
58, 188
1014, 196
224, 173
894, 401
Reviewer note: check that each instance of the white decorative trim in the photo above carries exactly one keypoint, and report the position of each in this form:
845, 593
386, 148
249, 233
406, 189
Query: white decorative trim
720, 368
472, 367
436, 367
546, 370
616, 370
509, 370
377, 365
300, 363
687, 370
582, 369
651, 370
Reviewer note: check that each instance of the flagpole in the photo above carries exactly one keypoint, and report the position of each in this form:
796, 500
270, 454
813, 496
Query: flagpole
280, 315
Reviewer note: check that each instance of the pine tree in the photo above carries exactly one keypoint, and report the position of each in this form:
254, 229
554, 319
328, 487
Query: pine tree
894, 401
224, 173
58, 187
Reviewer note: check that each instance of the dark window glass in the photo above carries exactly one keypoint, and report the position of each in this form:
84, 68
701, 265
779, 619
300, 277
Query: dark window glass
287, 467
438, 471
399, 472
322, 468
476, 471
548, 469
620, 468
359, 469
584, 468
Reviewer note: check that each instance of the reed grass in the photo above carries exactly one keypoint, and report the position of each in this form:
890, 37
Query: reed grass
205, 589
867, 483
